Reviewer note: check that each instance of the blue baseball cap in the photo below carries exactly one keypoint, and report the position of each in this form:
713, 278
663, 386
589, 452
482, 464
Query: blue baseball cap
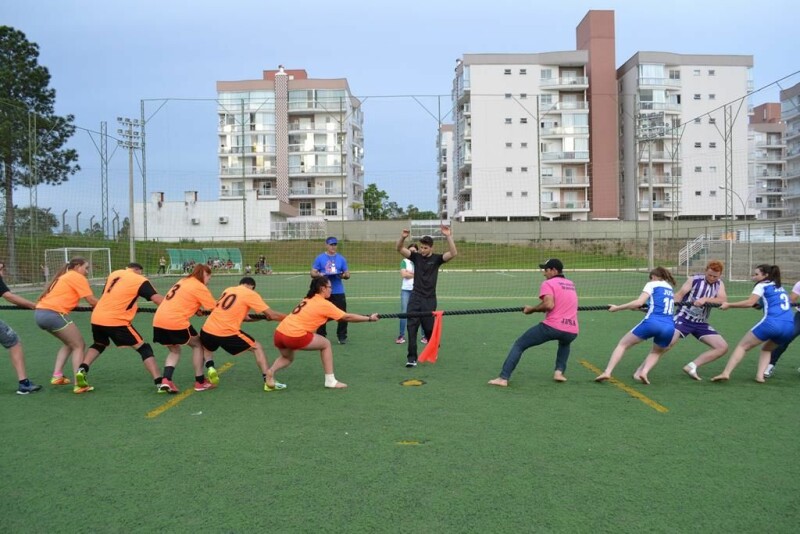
331, 241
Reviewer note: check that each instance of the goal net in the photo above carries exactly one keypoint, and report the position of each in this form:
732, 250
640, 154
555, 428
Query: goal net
99, 261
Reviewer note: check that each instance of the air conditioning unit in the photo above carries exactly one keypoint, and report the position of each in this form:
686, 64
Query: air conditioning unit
195, 221
223, 220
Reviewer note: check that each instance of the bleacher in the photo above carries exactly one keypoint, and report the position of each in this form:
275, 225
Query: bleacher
180, 258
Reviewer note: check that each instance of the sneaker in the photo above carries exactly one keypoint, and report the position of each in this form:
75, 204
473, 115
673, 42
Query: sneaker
85, 389
59, 381
213, 376
400, 340
411, 363
424, 340
204, 386
278, 386
769, 371
343, 341
167, 386
29, 388
80, 379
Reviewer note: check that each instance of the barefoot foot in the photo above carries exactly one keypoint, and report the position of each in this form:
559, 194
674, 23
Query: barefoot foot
502, 382
720, 378
602, 378
558, 376
691, 370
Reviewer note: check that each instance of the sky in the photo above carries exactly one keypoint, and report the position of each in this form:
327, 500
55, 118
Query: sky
107, 57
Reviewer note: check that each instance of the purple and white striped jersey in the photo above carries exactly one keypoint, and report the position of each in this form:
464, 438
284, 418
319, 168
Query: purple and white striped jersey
700, 289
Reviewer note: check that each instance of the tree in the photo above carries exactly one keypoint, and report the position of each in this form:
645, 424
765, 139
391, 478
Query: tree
32, 136
375, 201
34, 221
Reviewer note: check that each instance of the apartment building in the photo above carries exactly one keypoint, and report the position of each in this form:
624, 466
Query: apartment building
684, 134
767, 163
790, 115
527, 127
295, 139
445, 206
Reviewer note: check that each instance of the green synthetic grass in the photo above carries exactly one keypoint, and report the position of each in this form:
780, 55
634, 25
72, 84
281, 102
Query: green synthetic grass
452, 455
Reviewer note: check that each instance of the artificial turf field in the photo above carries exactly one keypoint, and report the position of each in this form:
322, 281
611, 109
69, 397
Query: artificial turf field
452, 455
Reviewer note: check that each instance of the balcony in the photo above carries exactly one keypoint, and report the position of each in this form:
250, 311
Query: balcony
566, 156
561, 131
578, 83
658, 155
266, 192
659, 82
549, 107
247, 171
308, 127
660, 106
317, 169
336, 149
570, 205
659, 180
659, 205
315, 192
565, 181
335, 105
465, 186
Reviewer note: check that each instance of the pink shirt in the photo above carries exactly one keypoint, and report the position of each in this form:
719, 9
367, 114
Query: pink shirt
564, 315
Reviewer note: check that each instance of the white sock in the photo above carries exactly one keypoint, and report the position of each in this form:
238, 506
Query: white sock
692, 367
330, 381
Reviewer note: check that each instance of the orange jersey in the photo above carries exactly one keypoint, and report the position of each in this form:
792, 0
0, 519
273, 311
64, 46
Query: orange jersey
308, 316
118, 304
231, 309
65, 293
181, 302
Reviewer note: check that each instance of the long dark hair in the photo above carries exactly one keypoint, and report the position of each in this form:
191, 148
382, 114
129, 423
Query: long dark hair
773, 273
664, 274
74, 262
316, 286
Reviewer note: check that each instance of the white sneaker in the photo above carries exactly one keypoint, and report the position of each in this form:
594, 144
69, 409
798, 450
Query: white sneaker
769, 371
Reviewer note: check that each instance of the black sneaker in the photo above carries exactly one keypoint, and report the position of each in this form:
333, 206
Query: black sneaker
29, 388
411, 363
343, 341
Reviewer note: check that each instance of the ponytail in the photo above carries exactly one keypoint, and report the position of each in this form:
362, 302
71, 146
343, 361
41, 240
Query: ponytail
73, 263
664, 274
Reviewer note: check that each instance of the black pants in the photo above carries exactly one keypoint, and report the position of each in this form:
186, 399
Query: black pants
341, 329
419, 304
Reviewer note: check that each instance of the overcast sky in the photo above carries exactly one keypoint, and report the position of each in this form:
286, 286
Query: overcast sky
105, 57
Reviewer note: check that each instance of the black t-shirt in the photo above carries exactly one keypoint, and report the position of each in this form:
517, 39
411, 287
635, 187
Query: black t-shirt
426, 273
3, 287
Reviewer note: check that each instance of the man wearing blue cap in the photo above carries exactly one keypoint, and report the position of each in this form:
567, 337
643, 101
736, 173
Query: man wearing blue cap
333, 265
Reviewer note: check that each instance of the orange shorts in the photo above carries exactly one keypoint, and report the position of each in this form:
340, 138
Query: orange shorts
282, 341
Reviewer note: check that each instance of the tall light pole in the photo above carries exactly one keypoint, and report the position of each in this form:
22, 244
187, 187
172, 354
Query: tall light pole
131, 136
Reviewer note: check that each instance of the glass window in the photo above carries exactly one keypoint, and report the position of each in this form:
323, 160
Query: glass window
509, 169
507, 72
508, 120
546, 74
523, 72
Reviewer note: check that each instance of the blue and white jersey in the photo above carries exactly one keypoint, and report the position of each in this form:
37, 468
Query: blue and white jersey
775, 301
700, 289
661, 304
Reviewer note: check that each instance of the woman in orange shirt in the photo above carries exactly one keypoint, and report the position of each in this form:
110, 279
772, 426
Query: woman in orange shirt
69, 286
297, 331
171, 326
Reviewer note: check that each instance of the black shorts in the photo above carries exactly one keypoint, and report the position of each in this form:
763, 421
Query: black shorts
122, 336
234, 345
162, 336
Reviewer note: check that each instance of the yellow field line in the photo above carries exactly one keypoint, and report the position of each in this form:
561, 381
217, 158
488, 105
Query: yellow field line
627, 389
180, 397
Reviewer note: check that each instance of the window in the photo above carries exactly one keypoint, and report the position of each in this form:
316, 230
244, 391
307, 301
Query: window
712, 193
696, 72
698, 193
509, 194
507, 72
698, 169
674, 74
331, 208
523, 120
523, 169
509, 169
523, 96
712, 72
698, 120
508, 120
712, 145
712, 120
508, 145
697, 96
523, 145
523, 194
712, 168
508, 95
712, 96
698, 145
546, 74
523, 72
306, 208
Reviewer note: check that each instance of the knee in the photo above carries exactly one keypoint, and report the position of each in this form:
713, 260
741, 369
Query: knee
97, 347
145, 351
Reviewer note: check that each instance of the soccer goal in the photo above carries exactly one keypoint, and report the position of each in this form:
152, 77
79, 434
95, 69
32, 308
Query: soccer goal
99, 261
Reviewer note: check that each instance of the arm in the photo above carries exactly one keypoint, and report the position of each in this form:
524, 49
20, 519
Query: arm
156, 299
91, 299
547, 304
451, 252
406, 274
272, 315
401, 248
632, 305
344, 274
722, 296
355, 318
22, 302
683, 291
748, 303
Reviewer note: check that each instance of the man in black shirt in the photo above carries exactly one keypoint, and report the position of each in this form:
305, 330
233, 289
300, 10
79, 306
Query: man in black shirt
426, 273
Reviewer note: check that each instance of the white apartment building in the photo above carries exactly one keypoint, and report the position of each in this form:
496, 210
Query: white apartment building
290, 154
683, 128
521, 136
767, 162
446, 197
790, 115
